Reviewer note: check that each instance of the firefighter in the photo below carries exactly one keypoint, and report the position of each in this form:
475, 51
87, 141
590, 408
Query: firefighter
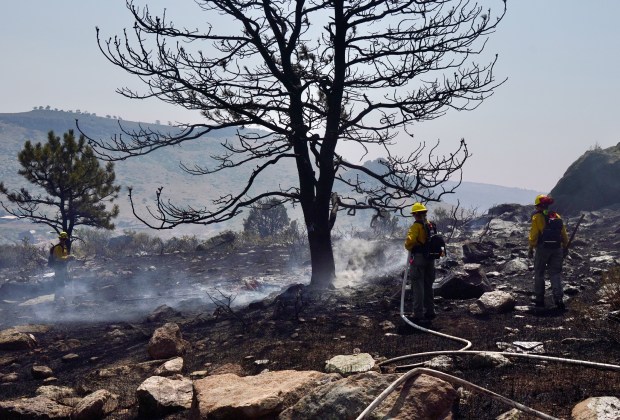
421, 267
60, 257
549, 238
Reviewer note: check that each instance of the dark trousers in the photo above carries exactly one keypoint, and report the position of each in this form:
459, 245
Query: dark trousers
61, 279
548, 260
422, 276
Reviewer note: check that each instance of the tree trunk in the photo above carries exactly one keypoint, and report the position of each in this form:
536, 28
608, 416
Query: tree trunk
321, 253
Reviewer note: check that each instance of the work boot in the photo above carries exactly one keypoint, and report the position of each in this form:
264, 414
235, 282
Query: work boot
559, 303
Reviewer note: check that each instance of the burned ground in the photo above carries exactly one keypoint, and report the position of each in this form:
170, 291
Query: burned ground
302, 328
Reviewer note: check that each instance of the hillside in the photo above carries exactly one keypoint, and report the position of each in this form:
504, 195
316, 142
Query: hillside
161, 168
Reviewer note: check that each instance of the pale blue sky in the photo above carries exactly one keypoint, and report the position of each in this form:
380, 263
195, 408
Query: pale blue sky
561, 58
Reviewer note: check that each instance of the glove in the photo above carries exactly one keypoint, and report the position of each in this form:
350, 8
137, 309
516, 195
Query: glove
565, 252
530, 253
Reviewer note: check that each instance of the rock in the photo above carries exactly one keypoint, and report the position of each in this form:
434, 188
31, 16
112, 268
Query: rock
9, 378
487, 360
41, 372
71, 357
12, 339
167, 342
515, 266
229, 368
597, 408
95, 406
475, 252
440, 363
422, 397
171, 367
198, 374
603, 259
513, 414
39, 407
347, 364
496, 302
55, 393
467, 283
266, 394
387, 325
364, 322
158, 396
528, 347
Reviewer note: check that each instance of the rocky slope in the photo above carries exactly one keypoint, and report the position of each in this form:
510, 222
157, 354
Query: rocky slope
591, 182
174, 337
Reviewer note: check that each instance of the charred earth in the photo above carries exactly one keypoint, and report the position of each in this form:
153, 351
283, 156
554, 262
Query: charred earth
244, 311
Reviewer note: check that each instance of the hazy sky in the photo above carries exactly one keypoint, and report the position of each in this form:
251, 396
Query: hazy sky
561, 58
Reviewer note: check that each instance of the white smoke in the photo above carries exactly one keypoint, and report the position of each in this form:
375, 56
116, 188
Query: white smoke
359, 260
96, 294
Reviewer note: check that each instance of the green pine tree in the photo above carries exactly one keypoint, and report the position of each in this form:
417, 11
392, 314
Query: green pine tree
76, 186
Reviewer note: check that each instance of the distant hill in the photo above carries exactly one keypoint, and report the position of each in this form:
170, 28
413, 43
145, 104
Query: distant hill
161, 168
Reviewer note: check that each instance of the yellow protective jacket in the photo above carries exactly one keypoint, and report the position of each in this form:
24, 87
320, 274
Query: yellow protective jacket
61, 254
416, 236
538, 224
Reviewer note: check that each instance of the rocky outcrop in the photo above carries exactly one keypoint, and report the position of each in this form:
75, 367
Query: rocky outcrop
590, 183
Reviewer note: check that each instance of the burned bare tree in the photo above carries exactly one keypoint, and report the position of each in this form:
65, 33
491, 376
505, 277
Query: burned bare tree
312, 76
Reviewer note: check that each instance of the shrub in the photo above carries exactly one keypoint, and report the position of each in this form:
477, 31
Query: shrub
23, 255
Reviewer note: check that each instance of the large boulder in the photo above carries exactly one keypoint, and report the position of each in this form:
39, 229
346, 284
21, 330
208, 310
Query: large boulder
590, 183
422, 397
230, 396
11, 339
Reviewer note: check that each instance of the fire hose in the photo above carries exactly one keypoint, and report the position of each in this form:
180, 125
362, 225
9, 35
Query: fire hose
416, 370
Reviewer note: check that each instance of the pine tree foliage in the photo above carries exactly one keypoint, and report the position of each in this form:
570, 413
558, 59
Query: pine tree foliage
76, 187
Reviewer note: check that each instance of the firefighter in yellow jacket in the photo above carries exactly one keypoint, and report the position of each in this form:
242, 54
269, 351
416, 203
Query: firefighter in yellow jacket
61, 257
421, 267
549, 237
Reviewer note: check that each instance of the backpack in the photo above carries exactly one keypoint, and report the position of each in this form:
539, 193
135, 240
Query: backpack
51, 259
551, 236
435, 246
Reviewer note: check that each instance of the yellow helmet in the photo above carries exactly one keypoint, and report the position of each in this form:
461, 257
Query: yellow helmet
63, 235
543, 199
418, 207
